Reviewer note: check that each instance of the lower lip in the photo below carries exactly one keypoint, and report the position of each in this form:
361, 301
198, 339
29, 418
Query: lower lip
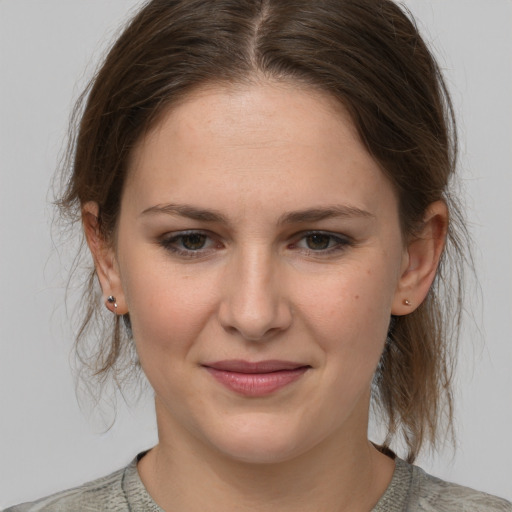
257, 384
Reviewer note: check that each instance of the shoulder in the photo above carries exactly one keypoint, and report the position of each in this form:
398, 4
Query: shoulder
430, 494
104, 494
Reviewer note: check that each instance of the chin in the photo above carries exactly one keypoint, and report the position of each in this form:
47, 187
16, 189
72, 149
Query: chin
257, 451
260, 442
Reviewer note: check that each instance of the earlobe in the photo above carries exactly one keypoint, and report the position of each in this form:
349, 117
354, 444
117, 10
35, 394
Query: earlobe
104, 259
421, 260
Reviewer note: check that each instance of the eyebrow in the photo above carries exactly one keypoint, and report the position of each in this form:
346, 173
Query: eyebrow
188, 211
322, 213
293, 217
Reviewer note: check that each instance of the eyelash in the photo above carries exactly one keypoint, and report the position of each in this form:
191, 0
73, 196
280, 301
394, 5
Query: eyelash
336, 244
339, 243
170, 243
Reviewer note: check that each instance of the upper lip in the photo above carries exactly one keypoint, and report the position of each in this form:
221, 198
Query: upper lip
241, 366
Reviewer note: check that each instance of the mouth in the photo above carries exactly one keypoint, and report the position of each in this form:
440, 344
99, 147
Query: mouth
256, 379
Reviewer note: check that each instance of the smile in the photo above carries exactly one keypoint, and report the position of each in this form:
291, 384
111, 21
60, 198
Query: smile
256, 379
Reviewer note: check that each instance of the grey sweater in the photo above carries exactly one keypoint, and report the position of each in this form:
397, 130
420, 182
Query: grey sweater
410, 490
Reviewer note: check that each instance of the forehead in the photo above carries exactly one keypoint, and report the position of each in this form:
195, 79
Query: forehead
264, 140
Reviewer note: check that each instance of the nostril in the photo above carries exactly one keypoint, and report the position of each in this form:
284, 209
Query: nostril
253, 328
253, 304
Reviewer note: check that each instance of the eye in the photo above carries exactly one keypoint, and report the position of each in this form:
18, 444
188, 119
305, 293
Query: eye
322, 242
318, 241
188, 244
194, 241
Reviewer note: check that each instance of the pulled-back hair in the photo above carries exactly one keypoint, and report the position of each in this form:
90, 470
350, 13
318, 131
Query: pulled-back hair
368, 55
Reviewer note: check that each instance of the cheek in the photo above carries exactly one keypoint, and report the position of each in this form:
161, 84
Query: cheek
348, 314
359, 298
167, 309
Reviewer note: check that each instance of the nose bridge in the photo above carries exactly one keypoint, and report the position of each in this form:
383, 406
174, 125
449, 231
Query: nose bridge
253, 302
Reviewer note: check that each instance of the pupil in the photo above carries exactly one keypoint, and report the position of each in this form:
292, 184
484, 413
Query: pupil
194, 242
318, 242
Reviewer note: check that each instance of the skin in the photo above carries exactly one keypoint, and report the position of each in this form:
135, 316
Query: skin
253, 284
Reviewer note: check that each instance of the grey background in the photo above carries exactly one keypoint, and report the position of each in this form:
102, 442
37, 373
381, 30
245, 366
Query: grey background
47, 442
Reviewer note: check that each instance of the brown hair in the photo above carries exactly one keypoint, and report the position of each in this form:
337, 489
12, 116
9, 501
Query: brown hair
367, 54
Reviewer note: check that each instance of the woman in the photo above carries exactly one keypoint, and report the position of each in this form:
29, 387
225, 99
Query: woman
264, 190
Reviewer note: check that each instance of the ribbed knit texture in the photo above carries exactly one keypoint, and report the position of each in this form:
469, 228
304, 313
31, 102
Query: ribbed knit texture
410, 490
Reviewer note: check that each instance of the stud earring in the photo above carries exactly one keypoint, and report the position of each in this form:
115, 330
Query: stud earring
112, 300
406, 302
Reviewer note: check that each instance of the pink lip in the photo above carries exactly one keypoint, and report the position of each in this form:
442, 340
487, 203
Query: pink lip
256, 379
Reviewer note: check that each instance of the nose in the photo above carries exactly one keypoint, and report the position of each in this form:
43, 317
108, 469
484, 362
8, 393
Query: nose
254, 303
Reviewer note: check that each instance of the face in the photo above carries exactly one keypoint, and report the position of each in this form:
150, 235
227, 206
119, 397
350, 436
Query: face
259, 255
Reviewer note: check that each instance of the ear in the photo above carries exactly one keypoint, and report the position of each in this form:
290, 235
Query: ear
104, 259
421, 260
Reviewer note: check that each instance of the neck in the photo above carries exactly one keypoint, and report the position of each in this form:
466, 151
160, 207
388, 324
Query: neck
339, 474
